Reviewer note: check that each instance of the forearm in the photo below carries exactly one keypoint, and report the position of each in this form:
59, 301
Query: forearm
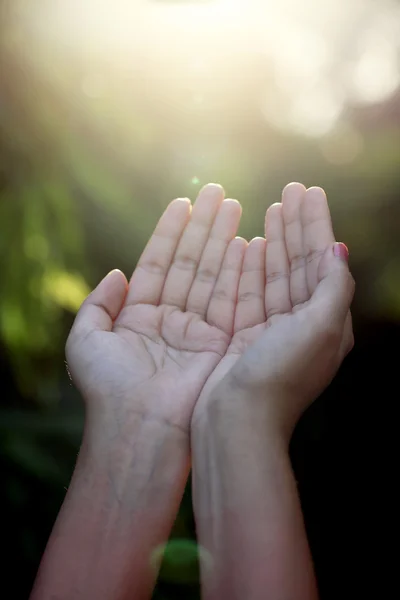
121, 504
247, 510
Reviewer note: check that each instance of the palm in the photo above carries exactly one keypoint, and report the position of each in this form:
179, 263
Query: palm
166, 339
173, 351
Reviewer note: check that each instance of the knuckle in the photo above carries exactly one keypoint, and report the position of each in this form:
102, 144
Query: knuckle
313, 254
185, 262
221, 293
276, 276
206, 275
153, 267
246, 296
297, 262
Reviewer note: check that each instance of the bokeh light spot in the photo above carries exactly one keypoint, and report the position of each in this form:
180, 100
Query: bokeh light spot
66, 290
376, 76
178, 561
195, 180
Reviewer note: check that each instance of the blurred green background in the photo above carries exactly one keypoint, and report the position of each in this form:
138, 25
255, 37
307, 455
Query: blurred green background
110, 110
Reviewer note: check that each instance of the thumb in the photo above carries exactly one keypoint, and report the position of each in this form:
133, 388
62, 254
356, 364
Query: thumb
335, 290
102, 306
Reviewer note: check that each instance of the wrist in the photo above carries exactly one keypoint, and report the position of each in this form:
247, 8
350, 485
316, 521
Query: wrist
128, 409
231, 410
119, 421
139, 455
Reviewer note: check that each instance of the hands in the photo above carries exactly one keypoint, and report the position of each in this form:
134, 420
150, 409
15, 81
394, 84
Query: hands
140, 355
151, 346
194, 307
292, 329
292, 324
209, 326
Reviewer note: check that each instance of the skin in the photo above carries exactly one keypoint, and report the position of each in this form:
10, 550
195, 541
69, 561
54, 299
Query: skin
246, 505
157, 341
140, 355
165, 353
285, 296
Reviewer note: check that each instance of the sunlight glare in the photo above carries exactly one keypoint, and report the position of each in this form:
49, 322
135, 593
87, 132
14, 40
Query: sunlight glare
377, 73
320, 56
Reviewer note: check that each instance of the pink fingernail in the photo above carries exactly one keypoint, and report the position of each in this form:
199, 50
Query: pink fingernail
341, 251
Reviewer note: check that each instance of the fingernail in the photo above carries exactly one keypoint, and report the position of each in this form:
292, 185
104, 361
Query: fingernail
341, 251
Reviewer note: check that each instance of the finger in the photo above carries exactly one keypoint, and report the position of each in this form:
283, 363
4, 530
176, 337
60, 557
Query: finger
147, 281
190, 249
334, 292
102, 306
223, 231
277, 290
317, 232
221, 310
250, 309
292, 198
